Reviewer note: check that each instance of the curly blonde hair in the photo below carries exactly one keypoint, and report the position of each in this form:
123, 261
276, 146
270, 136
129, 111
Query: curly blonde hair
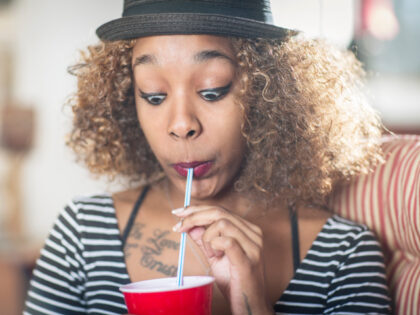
307, 123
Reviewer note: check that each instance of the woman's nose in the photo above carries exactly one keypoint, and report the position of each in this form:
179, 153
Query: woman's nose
183, 121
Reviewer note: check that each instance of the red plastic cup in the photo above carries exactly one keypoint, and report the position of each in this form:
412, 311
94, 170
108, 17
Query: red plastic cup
163, 296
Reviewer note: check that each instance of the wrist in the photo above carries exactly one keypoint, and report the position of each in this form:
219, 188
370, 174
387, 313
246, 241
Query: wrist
262, 312
266, 309
256, 306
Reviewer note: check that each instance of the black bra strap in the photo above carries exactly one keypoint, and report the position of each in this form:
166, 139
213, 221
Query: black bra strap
133, 215
295, 237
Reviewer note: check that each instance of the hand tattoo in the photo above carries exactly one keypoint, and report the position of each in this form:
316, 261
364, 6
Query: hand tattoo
248, 308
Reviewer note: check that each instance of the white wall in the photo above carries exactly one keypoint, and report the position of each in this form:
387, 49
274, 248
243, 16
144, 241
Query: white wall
330, 19
48, 36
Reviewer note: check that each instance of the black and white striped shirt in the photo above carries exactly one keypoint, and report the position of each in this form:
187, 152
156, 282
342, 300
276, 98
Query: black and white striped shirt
82, 266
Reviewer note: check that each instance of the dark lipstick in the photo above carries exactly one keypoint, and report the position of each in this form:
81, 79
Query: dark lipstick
200, 168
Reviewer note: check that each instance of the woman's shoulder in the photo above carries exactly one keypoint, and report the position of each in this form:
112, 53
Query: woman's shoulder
339, 225
324, 233
98, 201
94, 198
348, 236
343, 246
82, 206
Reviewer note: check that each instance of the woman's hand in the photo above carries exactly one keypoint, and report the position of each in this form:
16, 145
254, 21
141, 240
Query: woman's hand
233, 247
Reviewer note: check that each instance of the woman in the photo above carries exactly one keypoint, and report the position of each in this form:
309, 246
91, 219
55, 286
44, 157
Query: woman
268, 120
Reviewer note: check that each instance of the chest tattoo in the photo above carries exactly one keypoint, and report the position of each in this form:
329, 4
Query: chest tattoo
152, 249
136, 233
159, 242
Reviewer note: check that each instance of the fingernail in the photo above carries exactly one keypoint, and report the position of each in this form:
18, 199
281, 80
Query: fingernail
177, 226
178, 211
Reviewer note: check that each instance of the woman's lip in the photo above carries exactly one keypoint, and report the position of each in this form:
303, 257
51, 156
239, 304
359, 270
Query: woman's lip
189, 164
200, 168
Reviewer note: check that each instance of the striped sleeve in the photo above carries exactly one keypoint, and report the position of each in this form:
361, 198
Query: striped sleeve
359, 285
58, 281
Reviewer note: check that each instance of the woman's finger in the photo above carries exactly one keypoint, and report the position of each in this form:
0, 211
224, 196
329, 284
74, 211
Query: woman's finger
233, 251
205, 216
226, 228
196, 234
183, 212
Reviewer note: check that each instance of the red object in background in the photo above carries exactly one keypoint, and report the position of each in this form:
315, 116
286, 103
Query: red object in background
191, 299
379, 19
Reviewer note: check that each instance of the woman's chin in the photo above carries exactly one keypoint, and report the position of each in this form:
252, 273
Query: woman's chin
206, 188
209, 189
203, 192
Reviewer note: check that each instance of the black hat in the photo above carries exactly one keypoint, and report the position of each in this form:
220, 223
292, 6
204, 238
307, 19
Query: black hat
239, 18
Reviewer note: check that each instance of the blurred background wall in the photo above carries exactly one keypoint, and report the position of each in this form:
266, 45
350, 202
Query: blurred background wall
39, 39
45, 37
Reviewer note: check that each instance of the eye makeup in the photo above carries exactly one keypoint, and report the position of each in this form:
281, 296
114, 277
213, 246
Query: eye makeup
153, 98
209, 95
215, 94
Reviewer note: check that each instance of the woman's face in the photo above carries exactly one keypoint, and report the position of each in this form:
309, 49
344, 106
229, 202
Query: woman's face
185, 89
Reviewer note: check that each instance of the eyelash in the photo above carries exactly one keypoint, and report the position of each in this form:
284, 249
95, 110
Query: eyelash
218, 93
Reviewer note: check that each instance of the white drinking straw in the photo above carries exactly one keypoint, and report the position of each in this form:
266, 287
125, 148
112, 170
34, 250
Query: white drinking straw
180, 279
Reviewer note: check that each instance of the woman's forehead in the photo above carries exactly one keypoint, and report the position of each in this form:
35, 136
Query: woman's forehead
187, 46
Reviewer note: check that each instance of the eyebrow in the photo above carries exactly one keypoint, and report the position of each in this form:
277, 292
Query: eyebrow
206, 55
144, 60
200, 57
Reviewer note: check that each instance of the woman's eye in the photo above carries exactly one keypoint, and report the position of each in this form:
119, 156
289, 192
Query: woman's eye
153, 98
212, 95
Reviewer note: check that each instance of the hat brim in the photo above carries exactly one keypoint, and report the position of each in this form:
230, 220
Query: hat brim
187, 23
